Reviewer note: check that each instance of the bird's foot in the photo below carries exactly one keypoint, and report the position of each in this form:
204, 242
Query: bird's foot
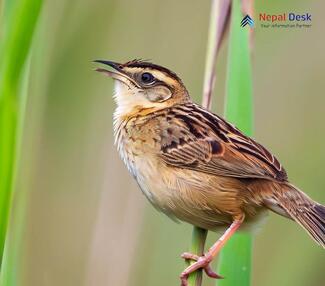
201, 262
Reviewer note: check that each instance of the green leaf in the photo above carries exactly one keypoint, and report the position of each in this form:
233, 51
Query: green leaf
235, 258
17, 22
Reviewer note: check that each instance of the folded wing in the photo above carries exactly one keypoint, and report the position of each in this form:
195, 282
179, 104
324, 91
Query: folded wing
205, 142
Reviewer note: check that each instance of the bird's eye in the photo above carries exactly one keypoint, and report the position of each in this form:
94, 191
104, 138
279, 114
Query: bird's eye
147, 78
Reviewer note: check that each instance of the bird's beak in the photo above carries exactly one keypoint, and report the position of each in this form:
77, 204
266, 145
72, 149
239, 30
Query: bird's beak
118, 72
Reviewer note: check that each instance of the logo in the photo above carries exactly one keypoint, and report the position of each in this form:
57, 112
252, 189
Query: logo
285, 20
247, 20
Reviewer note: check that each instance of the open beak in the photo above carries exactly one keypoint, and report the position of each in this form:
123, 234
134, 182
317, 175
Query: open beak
117, 73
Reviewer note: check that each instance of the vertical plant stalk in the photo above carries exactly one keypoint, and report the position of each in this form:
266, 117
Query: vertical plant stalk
17, 22
10, 259
219, 19
235, 258
199, 236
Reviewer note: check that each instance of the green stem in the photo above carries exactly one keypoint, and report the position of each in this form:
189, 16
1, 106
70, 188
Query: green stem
235, 259
199, 236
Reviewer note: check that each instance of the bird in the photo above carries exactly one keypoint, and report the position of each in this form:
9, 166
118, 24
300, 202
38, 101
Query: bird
196, 167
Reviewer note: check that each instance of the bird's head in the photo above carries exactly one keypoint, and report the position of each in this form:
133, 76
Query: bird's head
141, 85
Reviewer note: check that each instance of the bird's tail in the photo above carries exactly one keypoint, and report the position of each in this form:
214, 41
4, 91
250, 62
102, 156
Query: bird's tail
288, 201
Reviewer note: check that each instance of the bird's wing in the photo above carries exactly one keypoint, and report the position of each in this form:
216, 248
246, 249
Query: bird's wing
202, 141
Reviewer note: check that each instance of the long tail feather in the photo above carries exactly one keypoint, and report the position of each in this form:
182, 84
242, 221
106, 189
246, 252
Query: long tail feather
291, 202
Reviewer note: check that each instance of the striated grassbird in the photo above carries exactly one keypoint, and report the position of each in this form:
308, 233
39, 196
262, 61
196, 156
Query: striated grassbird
196, 167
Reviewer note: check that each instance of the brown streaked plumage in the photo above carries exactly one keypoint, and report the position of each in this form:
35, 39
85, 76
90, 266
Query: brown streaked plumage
195, 166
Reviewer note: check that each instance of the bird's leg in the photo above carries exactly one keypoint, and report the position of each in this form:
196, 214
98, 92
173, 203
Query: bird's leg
204, 261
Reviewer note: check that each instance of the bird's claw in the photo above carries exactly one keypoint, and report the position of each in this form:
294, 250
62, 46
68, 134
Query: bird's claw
202, 262
190, 256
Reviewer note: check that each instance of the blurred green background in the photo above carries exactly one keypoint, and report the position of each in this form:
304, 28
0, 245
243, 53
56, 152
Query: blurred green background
84, 220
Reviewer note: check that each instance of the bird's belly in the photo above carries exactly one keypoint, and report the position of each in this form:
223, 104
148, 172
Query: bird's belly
185, 195
204, 200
